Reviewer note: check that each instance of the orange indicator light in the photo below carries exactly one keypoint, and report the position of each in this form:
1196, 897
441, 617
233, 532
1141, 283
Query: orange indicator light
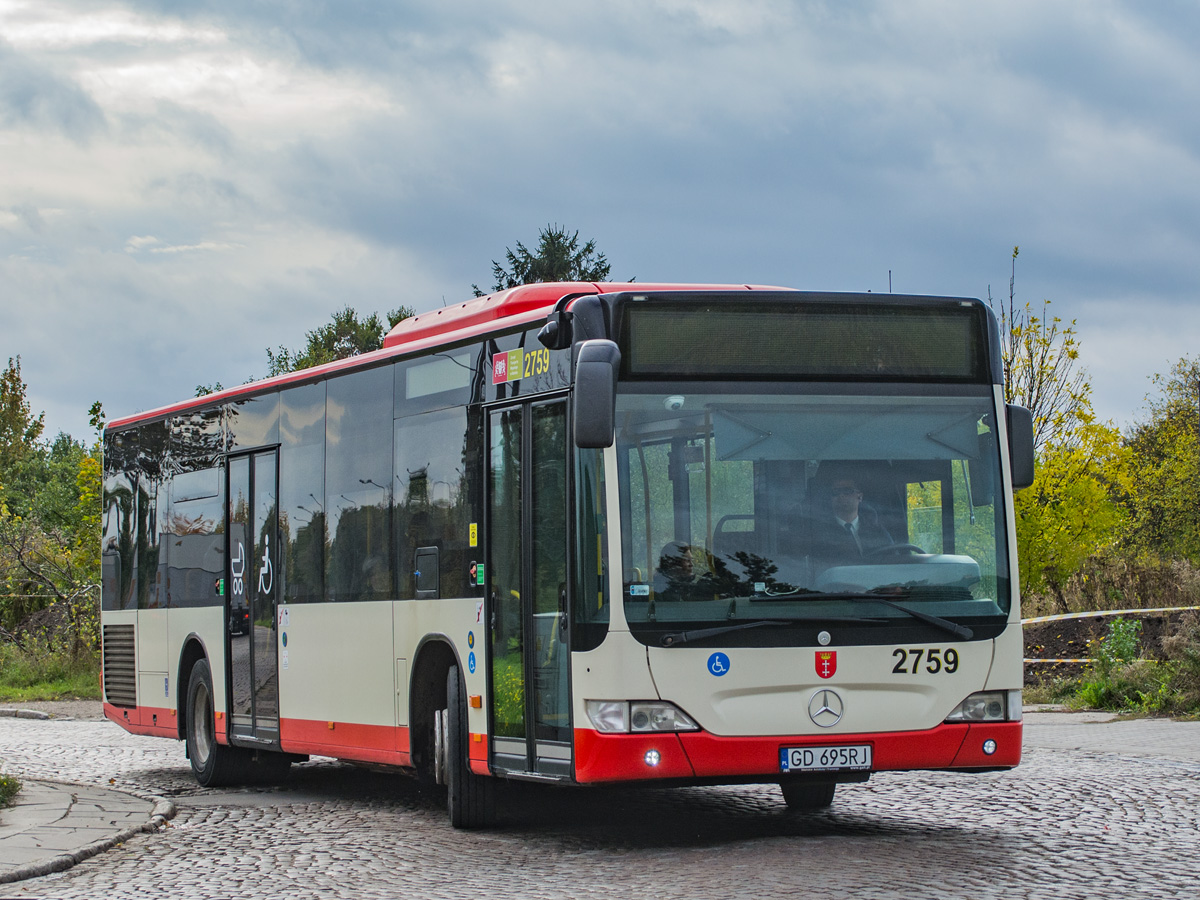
476, 701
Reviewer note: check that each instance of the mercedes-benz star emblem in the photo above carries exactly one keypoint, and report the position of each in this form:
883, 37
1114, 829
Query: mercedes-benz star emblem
825, 708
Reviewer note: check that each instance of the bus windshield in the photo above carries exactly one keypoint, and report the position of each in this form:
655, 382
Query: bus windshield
803, 511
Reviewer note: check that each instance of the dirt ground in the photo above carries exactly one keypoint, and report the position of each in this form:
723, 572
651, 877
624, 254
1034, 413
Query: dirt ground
1069, 639
60, 709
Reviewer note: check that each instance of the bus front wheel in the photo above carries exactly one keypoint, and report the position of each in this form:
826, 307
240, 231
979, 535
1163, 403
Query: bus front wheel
470, 798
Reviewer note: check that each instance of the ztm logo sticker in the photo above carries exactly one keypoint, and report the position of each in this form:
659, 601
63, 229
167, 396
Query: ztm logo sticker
500, 368
826, 663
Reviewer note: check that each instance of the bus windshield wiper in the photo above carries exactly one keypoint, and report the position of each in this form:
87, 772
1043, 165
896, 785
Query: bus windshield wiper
877, 596
697, 634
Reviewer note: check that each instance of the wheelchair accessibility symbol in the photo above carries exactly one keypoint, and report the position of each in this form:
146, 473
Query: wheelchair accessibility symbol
718, 664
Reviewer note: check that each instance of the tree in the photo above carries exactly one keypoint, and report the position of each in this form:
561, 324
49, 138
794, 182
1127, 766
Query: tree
1164, 464
344, 337
19, 428
1070, 512
1040, 358
558, 258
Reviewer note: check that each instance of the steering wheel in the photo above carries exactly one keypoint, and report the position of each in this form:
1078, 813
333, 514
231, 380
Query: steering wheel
895, 550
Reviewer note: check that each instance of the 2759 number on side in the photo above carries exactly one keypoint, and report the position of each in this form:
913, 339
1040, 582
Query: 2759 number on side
845, 757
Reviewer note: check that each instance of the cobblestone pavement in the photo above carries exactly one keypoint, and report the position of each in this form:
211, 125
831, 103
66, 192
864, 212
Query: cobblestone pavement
1073, 821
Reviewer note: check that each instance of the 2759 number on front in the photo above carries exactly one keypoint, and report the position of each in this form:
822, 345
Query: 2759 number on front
852, 757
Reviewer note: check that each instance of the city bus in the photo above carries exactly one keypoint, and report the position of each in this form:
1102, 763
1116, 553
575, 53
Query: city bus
585, 534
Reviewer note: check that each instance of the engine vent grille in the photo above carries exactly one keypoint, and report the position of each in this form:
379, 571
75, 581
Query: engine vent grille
120, 665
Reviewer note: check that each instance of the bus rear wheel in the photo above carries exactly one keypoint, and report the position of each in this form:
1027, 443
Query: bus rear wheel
808, 795
470, 798
213, 764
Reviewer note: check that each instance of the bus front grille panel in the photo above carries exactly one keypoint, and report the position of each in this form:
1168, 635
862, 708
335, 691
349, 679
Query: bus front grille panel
120, 665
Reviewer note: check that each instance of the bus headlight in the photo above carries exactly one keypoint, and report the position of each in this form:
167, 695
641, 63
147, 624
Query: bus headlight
637, 716
988, 706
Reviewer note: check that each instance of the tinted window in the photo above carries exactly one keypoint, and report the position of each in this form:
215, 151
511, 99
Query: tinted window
435, 382
302, 492
118, 551
197, 439
435, 499
194, 540
253, 422
358, 471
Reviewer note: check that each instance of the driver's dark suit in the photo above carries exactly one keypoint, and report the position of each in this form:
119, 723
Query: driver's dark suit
834, 545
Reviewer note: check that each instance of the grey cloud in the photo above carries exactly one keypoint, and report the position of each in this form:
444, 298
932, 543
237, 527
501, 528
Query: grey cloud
32, 95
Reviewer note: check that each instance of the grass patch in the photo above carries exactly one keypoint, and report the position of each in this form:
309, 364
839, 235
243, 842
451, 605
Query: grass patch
41, 673
1057, 691
9, 787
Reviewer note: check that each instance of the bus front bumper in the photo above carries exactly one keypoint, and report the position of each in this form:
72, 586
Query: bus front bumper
609, 758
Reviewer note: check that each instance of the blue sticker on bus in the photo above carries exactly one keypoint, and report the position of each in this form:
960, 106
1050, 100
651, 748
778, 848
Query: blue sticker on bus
471, 661
718, 664
470, 639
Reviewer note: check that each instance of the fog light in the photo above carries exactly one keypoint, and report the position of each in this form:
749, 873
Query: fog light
653, 757
989, 747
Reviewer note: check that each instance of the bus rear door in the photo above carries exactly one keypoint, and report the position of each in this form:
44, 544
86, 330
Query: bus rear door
252, 525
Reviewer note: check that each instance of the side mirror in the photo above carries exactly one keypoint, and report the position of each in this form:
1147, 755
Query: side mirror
1020, 446
556, 334
596, 393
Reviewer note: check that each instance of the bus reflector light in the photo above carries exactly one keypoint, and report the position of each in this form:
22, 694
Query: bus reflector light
609, 716
475, 701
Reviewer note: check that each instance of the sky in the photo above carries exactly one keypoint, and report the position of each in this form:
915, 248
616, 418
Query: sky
183, 185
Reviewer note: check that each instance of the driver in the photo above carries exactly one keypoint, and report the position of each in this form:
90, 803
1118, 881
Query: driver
844, 536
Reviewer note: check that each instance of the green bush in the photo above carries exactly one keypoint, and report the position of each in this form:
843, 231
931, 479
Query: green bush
9, 787
40, 672
1119, 681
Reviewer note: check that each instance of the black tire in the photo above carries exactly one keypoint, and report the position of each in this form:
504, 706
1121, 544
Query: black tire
808, 795
213, 764
470, 798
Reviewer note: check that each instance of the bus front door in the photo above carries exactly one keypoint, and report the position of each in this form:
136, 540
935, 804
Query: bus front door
252, 524
527, 578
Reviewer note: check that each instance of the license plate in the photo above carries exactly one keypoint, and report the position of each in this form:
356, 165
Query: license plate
843, 757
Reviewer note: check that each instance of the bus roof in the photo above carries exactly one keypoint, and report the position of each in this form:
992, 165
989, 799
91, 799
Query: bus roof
528, 298
426, 331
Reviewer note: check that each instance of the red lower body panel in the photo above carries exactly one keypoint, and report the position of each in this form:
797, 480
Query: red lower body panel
623, 757
384, 744
144, 720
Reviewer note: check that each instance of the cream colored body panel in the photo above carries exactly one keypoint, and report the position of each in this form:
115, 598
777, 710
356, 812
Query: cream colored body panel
339, 663
350, 662
1008, 664
767, 690
208, 624
461, 622
152, 646
616, 670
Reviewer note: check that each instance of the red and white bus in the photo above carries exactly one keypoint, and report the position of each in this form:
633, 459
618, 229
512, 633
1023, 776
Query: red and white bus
586, 533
